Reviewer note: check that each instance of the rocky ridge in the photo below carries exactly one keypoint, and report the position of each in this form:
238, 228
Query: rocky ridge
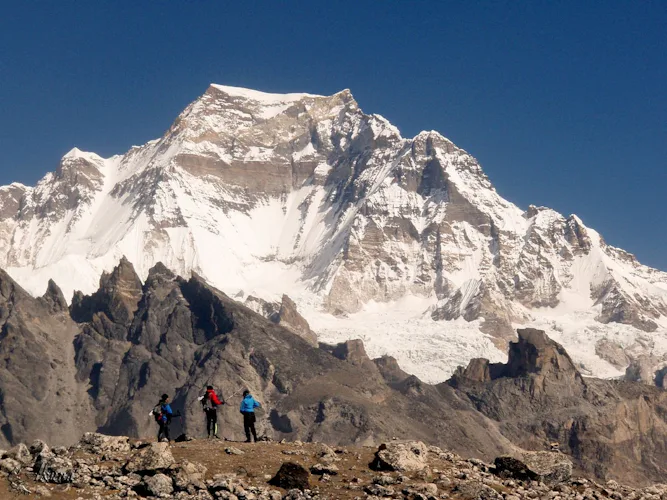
109, 467
309, 196
101, 365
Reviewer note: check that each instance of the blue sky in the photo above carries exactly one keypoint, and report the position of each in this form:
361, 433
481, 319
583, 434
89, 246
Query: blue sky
564, 103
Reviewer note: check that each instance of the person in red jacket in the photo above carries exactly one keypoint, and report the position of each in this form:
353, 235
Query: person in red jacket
210, 403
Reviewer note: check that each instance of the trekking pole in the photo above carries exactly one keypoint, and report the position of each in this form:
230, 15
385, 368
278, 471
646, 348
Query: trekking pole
236, 393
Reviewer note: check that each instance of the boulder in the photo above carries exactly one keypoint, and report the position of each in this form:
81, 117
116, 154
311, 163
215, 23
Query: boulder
10, 466
184, 438
56, 470
20, 453
188, 474
327, 454
155, 457
100, 443
60, 451
159, 484
475, 490
291, 476
400, 456
546, 466
38, 446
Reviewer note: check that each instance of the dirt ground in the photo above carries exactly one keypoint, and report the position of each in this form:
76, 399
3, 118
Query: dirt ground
259, 462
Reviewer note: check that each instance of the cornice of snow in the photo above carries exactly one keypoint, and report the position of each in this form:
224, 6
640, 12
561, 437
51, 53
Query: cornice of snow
256, 95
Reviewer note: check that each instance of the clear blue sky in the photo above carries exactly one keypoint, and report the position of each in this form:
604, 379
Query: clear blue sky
563, 102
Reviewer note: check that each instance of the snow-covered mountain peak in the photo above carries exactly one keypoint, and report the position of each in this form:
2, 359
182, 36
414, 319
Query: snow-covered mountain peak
404, 242
256, 95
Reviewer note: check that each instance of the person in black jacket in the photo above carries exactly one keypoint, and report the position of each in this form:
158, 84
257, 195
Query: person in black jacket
210, 403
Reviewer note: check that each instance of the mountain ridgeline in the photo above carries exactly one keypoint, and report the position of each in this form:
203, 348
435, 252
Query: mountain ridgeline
309, 196
101, 363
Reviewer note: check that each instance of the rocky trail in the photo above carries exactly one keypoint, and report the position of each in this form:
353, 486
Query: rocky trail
114, 467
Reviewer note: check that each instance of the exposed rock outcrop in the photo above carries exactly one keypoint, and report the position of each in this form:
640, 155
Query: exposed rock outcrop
539, 397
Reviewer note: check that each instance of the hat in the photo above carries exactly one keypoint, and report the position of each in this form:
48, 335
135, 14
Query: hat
164, 397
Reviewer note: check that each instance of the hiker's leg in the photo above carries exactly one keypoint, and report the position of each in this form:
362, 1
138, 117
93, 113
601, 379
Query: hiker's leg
246, 425
252, 427
214, 422
209, 423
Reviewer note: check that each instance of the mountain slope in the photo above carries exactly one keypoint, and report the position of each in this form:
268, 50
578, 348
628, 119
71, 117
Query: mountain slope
265, 194
102, 365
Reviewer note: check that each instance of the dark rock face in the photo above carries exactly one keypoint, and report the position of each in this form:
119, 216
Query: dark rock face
116, 298
661, 378
289, 317
291, 476
38, 396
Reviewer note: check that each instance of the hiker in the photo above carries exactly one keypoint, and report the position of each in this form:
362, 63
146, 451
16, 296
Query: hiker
248, 406
162, 413
210, 403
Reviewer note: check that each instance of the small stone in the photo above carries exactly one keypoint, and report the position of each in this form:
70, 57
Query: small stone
40, 490
384, 480
319, 469
379, 490
234, 451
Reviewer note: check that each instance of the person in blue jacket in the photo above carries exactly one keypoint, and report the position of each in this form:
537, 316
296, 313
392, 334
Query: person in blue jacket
248, 406
163, 415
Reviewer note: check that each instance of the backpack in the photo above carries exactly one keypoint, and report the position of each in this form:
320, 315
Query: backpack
157, 412
207, 403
